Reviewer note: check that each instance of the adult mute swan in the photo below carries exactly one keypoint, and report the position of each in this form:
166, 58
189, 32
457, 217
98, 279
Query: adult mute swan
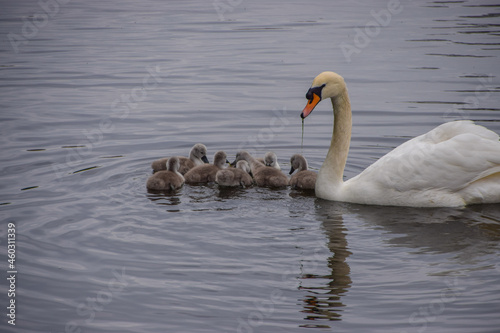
455, 164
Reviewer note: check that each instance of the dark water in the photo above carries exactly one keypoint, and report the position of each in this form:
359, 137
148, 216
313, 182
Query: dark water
96, 90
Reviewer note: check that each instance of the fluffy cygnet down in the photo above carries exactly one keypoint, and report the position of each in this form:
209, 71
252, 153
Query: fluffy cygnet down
270, 159
303, 179
264, 176
206, 173
238, 176
169, 179
197, 156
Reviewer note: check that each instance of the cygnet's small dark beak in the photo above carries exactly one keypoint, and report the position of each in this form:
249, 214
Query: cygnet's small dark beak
233, 164
291, 170
205, 159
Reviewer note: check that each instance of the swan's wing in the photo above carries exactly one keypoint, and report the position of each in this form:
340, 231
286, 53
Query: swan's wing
449, 130
449, 157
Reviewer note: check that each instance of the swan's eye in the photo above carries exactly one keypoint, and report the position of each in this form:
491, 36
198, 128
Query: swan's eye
309, 95
314, 91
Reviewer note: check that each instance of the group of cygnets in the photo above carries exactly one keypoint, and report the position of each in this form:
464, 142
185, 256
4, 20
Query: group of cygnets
171, 173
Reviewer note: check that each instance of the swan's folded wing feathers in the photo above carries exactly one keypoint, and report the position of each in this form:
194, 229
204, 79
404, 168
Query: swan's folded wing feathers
452, 129
438, 163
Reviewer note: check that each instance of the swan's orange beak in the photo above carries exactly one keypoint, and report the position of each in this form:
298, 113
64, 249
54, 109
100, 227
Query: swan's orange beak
311, 104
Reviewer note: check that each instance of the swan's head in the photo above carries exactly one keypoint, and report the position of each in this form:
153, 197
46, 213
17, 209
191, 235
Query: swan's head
325, 85
270, 159
199, 151
220, 159
243, 165
297, 162
241, 155
173, 164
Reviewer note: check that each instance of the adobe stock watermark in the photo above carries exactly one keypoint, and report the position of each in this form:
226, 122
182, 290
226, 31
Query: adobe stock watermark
363, 37
266, 136
482, 92
224, 6
34, 23
92, 305
264, 309
120, 108
426, 314
418, 157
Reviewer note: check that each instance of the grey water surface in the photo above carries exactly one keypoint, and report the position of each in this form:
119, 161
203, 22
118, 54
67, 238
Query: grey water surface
92, 91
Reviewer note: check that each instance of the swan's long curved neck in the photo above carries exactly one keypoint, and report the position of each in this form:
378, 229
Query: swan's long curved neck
332, 170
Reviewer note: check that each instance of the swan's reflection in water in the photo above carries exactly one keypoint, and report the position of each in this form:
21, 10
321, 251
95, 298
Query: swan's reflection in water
466, 233
167, 198
437, 230
324, 302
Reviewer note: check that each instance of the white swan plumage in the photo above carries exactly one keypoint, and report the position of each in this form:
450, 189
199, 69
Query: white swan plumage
453, 165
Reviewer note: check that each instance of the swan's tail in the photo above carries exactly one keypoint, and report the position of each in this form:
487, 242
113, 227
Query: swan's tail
483, 190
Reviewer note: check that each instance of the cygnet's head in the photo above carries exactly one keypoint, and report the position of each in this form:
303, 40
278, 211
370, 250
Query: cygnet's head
243, 165
220, 159
270, 159
298, 162
173, 164
325, 85
240, 156
199, 151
